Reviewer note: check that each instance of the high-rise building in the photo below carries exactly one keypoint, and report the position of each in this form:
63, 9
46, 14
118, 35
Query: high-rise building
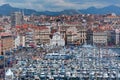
16, 19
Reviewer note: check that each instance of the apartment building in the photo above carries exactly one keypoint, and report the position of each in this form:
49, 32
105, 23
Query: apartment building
100, 38
7, 42
42, 35
82, 35
72, 35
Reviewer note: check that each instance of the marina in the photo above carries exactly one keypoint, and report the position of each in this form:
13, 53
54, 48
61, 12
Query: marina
66, 63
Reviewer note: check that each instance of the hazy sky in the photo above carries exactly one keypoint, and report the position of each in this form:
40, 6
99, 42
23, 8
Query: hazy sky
58, 5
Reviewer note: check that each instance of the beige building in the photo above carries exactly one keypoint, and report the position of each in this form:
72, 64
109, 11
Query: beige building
76, 35
82, 35
72, 35
42, 35
100, 38
7, 42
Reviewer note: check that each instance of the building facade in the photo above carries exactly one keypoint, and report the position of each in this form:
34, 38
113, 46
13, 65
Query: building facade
29, 38
82, 34
72, 35
42, 35
117, 35
76, 35
100, 38
111, 37
89, 36
7, 42
57, 40
16, 19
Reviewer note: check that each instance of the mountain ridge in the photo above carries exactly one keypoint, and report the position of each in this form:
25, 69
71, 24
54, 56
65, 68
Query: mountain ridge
7, 9
104, 10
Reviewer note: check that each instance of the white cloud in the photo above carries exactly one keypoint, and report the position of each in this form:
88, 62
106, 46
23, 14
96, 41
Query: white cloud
95, 4
40, 5
56, 5
2, 2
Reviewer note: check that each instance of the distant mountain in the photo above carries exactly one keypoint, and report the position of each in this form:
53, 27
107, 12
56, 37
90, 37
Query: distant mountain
70, 12
7, 9
105, 10
65, 12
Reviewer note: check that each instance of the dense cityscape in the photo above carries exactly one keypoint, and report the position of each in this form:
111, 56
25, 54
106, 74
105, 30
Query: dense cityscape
64, 47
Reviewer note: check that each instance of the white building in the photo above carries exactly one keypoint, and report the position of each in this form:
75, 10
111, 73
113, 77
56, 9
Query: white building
57, 40
22, 40
17, 41
29, 38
